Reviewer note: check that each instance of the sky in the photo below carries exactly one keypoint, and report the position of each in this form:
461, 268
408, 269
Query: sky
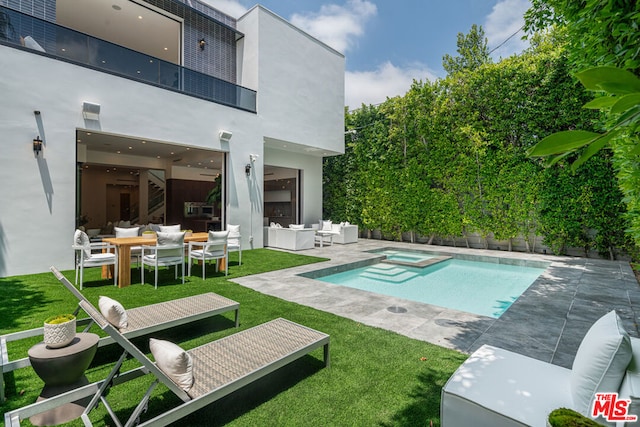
389, 43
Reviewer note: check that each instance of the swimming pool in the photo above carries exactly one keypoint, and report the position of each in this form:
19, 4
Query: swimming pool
482, 288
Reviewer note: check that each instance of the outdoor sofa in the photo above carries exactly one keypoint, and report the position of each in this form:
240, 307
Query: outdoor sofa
498, 388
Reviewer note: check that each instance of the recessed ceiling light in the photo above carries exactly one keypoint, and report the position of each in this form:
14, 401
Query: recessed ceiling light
166, 48
158, 157
139, 16
116, 7
172, 153
118, 151
88, 133
144, 142
130, 148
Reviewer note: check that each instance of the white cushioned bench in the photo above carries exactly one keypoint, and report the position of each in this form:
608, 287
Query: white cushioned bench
496, 387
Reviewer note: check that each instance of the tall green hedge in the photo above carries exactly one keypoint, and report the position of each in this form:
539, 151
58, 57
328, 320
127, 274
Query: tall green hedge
449, 158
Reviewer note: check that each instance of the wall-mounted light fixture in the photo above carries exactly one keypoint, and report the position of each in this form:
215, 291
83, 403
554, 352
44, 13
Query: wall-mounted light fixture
247, 169
253, 158
37, 145
90, 111
225, 135
202, 43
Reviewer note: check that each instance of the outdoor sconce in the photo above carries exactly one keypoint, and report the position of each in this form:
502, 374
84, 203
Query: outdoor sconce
247, 169
202, 43
225, 135
37, 145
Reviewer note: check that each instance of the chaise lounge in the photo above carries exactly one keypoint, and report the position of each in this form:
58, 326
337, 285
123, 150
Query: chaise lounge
140, 320
496, 387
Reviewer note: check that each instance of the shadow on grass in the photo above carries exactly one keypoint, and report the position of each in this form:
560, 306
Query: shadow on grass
23, 299
226, 409
424, 409
179, 334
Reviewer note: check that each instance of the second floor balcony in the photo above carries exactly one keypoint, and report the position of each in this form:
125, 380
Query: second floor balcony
27, 32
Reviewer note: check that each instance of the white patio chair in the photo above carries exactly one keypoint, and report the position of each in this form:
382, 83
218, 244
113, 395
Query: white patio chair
234, 241
169, 250
136, 251
214, 248
86, 257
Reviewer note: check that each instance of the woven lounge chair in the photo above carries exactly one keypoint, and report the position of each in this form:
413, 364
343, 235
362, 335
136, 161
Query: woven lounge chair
141, 320
219, 367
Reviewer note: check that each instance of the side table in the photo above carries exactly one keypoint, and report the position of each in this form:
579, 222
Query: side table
62, 370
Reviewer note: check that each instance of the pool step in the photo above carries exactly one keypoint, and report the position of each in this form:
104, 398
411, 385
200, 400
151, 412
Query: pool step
420, 264
388, 273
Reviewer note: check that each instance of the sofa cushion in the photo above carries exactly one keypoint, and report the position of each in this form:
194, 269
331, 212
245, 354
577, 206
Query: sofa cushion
630, 387
601, 361
496, 387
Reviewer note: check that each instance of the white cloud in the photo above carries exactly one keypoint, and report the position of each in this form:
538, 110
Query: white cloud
230, 7
337, 25
505, 19
373, 87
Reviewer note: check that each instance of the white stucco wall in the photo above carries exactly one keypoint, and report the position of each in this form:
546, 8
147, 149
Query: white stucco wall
300, 81
38, 196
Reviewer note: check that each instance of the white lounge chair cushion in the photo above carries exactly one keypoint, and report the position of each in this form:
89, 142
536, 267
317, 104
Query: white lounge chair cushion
126, 232
173, 361
601, 361
113, 311
170, 228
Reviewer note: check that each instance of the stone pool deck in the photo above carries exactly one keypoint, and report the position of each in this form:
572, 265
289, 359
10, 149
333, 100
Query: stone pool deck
547, 322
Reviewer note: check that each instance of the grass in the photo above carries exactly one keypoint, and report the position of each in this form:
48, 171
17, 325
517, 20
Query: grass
376, 377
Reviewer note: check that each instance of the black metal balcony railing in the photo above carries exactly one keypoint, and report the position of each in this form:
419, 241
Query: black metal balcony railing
72, 46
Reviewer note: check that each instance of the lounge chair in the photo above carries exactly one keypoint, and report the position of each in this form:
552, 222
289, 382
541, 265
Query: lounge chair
141, 320
219, 368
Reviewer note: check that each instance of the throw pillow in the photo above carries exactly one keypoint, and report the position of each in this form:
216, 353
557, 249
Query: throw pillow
296, 226
170, 228
326, 225
173, 361
80, 238
113, 311
601, 361
126, 232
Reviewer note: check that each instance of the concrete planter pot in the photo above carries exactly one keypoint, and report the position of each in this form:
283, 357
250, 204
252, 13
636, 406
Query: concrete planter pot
59, 331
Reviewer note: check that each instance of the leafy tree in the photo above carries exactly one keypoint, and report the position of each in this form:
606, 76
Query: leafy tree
472, 52
601, 33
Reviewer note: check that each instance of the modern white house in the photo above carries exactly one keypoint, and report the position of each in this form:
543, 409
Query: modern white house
139, 110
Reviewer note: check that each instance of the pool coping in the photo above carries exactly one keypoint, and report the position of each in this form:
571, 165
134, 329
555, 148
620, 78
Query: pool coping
547, 322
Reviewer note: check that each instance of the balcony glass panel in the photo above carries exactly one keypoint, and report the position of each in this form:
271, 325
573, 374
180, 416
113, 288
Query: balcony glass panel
72, 46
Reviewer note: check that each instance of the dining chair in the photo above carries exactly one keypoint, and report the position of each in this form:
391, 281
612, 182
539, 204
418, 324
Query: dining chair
86, 255
215, 248
168, 251
136, 251
234, 241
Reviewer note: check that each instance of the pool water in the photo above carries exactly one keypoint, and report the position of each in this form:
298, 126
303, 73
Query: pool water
482, 288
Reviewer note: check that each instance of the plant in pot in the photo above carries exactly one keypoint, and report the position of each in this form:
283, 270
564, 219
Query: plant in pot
59, 330
563, 417
148, 234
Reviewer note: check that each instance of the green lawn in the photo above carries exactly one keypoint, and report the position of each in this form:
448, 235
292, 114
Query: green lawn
376, 377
